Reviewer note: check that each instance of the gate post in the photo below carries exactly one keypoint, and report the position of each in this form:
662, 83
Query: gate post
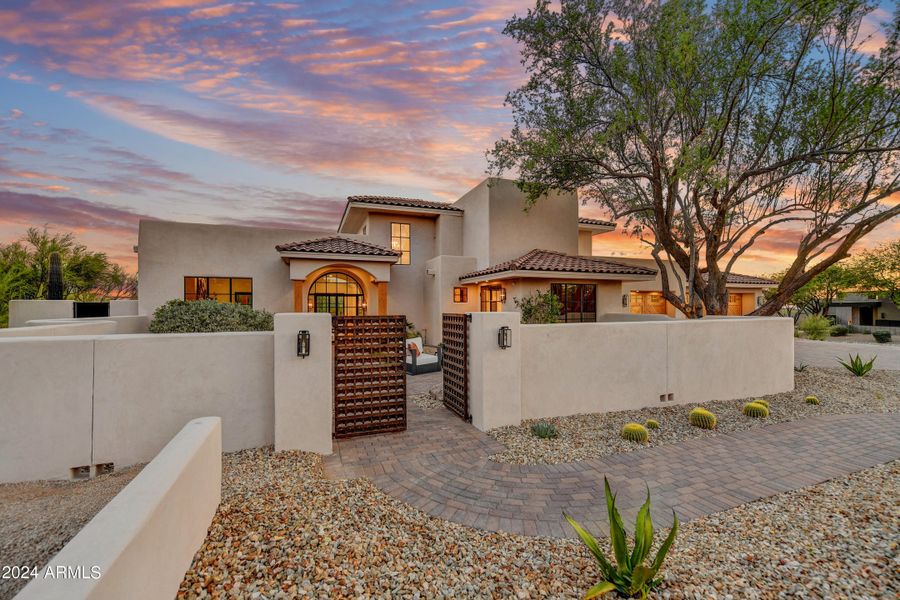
303, 386
495, 375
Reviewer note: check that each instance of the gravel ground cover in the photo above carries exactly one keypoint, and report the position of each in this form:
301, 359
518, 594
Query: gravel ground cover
433, 398
591, 435
38, 518
862, 338
284, 531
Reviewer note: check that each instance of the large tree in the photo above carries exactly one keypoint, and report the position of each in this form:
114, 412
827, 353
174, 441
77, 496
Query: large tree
877, 271
708, 128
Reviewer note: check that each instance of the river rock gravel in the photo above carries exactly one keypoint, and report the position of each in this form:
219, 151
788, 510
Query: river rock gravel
586, 436
37, 518
284, 531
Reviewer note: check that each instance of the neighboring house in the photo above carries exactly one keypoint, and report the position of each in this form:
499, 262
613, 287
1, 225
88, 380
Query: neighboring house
406, 256
864, 311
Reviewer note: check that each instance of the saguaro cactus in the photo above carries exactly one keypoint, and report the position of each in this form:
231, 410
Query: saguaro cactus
55, 289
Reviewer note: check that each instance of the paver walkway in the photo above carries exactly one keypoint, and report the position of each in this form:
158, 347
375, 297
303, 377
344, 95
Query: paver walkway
441, 466
825, 354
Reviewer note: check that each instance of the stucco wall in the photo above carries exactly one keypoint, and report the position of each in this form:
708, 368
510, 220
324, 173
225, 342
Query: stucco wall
609, 293
46, 399
62, 328
22, 311
168, 252
448, 237
476, 224
147, 386
120, 398
123, 324
144, 540
439, 292
585, 243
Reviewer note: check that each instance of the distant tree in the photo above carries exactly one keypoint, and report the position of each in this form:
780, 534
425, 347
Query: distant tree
878, 271
25, 271
821, 291
707, 127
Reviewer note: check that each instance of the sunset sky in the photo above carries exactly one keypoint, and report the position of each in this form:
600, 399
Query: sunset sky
255, 113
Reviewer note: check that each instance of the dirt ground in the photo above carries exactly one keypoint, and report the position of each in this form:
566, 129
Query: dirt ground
37, 518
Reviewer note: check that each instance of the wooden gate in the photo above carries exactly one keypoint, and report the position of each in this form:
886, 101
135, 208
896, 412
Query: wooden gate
456, 364
369, 375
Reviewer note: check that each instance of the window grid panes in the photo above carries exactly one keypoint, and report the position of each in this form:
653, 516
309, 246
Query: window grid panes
460, 295
338, 294
578, 301
400, 241
492, 299
237, 290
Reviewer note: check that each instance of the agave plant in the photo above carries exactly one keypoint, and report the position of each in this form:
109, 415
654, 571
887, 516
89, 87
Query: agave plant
857, 366
629, 575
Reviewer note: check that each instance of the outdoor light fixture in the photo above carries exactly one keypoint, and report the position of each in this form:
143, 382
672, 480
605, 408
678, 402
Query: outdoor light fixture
504, 337
624, 300
303, 343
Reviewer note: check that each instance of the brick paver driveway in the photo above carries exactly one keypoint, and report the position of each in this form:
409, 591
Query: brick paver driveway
441, 466
824, 354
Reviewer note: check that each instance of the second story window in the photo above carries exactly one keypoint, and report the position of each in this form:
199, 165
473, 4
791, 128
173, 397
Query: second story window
400, 241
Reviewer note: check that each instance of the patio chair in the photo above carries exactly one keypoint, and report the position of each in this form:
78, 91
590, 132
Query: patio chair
417, 361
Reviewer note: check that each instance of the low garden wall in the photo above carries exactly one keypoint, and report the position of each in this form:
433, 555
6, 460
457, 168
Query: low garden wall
86, 400
124, 324
22, 311
141, 543
601, 367
62, 327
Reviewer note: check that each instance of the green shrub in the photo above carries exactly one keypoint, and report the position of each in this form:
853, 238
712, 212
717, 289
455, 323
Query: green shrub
815, 327
755, 410
882, 337
629, 576
207, 316
544, 430
857, 366
652, 424
811, 400
635, 432
839, 331
763, 402
702, 418
539, 308
800, 367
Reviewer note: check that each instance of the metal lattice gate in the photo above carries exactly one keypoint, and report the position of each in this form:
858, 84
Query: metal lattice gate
456, 364
369, 375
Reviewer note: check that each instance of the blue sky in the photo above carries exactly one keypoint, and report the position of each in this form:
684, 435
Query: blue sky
266, 113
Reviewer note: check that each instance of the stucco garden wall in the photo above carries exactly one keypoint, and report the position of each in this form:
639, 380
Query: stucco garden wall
61, 327
123, 324
144, 540
601, 367
23, 311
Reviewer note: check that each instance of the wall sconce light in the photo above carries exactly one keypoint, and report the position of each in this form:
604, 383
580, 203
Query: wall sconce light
504, 337
624, 300
303, 343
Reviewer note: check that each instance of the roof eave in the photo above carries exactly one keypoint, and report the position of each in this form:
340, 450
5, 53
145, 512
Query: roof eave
529, 274
287, 254
594, 229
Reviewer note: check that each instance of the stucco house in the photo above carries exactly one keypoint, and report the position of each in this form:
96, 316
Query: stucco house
413, 257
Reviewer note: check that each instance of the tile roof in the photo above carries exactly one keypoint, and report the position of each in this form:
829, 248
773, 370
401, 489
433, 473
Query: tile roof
738, 279
583, 221
336, 245
406, 202
546, 260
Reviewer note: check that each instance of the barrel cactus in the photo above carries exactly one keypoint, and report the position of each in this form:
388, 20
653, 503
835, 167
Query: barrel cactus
702, 418
756, 410
652, 424
761, 401
635, 432
812, 400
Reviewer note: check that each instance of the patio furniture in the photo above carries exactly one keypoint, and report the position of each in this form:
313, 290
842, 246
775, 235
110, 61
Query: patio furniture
417, 361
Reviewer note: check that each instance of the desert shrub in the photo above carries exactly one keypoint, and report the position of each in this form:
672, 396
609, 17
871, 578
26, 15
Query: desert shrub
800, 367
539, 308
755, 410
702, 418
882, 337
811, 400
857, 366
815, 327
626, 573
635, 432
652, 424
839, 331
208, 316
544, 430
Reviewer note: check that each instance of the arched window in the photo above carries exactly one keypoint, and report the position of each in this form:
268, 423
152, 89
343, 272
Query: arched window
338, 294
